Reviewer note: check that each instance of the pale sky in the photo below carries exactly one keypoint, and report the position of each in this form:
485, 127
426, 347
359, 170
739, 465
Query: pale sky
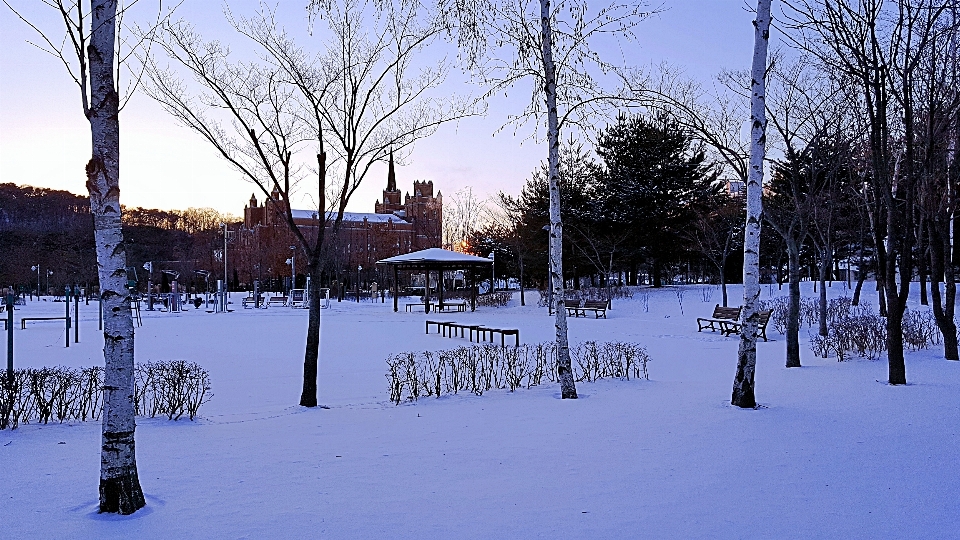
45, 140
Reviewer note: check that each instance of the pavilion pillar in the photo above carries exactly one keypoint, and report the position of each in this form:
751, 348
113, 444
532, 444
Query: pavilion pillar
473, 289
396, 288
440, 286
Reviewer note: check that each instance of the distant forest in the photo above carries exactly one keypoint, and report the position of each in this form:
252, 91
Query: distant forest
54, 229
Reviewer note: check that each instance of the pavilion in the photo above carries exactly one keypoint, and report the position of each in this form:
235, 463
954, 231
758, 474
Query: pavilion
436, 260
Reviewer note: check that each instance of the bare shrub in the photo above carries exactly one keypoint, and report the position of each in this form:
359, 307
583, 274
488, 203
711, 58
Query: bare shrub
480, 368
174, 388
706, 294
496, 299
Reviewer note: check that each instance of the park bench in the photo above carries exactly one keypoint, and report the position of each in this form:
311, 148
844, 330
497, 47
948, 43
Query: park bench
504, 332
410, 306
248, 301
453, 306
720, 317
443, 327
598, 307
728, 328
573, 308
23, 321
274, 300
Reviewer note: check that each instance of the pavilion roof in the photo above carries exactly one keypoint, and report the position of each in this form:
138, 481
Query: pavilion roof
436, 257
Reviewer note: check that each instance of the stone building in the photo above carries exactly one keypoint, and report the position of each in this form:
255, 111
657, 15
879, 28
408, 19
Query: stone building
394, 228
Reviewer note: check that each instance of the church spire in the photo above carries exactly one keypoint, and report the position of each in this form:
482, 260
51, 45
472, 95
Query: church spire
391, 175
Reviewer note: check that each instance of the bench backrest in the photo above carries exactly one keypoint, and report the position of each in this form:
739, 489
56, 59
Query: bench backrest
765, 317
595, 304
571, 303
728, 313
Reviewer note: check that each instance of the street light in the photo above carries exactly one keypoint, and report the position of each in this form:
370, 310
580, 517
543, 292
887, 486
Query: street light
493, 272
293, 268
359, 269
49, 273
37, 268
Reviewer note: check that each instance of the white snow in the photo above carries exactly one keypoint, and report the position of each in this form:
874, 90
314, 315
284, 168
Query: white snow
835, 453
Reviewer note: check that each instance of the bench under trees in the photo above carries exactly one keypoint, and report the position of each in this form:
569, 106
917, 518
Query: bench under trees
721, 317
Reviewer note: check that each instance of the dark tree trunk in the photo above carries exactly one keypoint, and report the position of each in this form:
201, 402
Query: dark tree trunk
793, 309
723, 284
940, 265
308, 397
825, 257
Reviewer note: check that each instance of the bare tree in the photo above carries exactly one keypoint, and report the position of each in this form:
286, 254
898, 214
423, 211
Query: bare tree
880, 47
361, 96
717, 232
743, 385
461, 218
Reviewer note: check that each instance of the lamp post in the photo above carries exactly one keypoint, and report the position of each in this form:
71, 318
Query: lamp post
37, 268
293, 267
359, 269
493, 271
49, 273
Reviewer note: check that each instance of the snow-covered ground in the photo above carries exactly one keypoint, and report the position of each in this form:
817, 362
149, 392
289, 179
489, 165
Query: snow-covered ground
835, 453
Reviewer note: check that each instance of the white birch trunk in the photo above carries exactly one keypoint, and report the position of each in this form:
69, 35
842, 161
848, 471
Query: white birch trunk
568, 388
743, 384
120, 490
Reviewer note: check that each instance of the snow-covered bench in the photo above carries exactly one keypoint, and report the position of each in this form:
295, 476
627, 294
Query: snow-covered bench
721, 317
729, 328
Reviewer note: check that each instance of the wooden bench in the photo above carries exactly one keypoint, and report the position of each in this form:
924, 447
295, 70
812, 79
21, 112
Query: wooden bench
410, 306
573, 308
728, 328
598, 307
452, 306
23, 321
720, 317
443, 327
282, 300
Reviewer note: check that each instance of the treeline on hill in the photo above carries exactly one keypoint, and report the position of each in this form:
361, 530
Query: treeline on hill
54, 229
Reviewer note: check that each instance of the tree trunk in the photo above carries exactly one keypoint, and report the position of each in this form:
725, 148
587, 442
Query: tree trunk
311, 356
523, 301
120, 490
824, 269
744, 394
568, 388
941, 265
723, 283
793, 307
308, 397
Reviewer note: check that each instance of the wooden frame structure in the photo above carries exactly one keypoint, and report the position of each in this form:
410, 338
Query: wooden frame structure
440, 261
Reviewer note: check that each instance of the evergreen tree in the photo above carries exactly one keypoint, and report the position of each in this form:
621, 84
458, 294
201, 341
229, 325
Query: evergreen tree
652, 180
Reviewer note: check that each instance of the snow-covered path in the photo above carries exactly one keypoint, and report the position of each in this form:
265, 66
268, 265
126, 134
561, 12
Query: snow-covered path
836, 453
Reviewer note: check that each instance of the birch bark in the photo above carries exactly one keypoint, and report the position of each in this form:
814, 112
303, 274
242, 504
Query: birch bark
568, 388
120, 490
743, 385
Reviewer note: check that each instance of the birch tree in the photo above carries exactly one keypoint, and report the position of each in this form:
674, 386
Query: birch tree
744, 394
91, 56
548, 45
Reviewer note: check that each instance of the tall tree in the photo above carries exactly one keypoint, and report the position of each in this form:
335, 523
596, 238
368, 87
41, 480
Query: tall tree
654, 178
744, 394
89, 52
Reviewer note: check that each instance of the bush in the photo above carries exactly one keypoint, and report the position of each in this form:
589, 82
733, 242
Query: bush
858, 330
479, 368
172, 388
496, 299
589, 293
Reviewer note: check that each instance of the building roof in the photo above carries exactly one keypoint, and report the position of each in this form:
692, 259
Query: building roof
348, 216
436, 256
